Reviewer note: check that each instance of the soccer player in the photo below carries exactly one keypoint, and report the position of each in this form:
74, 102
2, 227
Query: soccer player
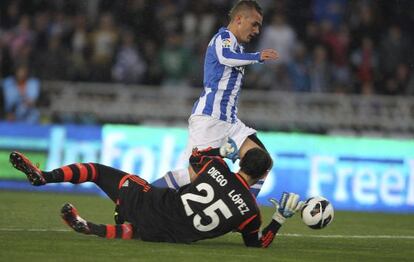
217, 202
214, 114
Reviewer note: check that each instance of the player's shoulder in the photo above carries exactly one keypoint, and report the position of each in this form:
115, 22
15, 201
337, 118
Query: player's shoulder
224, 32
226, 37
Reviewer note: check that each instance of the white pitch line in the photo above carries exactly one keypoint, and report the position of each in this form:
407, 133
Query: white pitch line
35, 230
283, 235
350, 236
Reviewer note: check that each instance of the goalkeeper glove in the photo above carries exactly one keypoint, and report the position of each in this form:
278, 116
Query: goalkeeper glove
229, 150
288, 205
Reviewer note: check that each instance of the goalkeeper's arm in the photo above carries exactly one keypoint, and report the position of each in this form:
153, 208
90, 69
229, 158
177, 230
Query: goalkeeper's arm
288, 205
264, 238
199, 157
227, 150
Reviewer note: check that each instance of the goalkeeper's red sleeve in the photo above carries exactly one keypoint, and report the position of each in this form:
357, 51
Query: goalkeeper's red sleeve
257, 238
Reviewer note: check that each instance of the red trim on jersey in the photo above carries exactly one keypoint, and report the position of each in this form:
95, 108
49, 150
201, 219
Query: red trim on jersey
127, 231
83, 173
267, 239
94, 173
140, 182
122, 181
221, 160
195, 153
67, 173
242, 181
202, 159
205, 150
137, 180
110, 231
245, 222
203, 168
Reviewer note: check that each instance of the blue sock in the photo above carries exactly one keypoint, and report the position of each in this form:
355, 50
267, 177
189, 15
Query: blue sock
168, 180
160, 182
255, 189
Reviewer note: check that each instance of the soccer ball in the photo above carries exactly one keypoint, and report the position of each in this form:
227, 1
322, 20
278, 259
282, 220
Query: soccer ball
317, 212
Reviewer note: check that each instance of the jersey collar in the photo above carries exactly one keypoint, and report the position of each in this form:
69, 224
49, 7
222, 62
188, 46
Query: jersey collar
242, 180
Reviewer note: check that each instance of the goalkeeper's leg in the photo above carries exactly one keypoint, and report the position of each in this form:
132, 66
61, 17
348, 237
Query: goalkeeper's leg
107, 178
71, 217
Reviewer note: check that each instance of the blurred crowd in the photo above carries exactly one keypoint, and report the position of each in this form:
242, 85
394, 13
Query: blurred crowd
337, 46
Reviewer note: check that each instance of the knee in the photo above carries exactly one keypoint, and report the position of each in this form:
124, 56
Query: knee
250, 143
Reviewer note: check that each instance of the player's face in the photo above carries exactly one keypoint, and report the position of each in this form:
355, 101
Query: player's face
250, 24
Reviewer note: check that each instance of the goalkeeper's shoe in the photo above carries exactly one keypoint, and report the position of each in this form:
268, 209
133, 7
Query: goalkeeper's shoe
71, 217
22, 163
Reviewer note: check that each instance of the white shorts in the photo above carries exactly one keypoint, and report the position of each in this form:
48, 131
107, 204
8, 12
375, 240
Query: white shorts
206, 131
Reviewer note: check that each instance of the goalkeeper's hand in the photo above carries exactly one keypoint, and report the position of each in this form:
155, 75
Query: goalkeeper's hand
229, 150
288, 205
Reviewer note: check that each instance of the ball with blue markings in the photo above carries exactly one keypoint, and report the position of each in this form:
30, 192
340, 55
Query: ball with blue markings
317, 212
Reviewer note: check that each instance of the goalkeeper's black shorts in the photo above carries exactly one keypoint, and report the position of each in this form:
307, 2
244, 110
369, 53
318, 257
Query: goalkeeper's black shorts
156, 213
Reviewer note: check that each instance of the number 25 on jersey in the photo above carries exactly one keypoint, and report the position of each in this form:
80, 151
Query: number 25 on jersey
210, 211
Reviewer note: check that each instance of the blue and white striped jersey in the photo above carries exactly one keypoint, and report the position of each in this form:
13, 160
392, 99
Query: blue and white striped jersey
223, 74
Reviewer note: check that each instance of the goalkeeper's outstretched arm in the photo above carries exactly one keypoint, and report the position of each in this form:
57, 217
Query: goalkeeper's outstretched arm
264, 238
288, 205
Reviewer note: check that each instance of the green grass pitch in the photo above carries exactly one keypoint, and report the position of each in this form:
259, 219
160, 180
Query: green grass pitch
31, 230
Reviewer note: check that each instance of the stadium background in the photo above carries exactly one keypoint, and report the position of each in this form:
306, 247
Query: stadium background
118, 79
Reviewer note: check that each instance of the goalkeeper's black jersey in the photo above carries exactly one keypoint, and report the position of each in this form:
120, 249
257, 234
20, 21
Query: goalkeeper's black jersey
217, 202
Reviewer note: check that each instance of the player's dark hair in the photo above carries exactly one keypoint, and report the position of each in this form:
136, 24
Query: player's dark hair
243, 5
256, 162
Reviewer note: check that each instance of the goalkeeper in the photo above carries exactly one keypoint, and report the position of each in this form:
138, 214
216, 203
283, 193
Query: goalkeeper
215, 203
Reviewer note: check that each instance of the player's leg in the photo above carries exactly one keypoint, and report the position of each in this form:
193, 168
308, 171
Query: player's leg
71, 217
251, 142
173, 179
203, 132
246, 139
107, 178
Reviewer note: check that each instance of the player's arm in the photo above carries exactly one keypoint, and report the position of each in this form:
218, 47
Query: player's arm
199, 159
229, 57
286, 208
